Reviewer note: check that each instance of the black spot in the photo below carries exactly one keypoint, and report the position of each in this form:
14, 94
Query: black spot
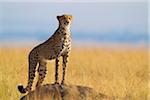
41, 70
32, 78
60, 50
33, 75
40, 74
62, 46
65, 33
60, 31
21, 89
30, 82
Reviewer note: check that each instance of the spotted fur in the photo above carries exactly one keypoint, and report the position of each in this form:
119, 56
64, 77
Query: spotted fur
58, 45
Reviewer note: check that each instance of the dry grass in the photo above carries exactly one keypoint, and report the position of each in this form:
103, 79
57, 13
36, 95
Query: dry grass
119, 73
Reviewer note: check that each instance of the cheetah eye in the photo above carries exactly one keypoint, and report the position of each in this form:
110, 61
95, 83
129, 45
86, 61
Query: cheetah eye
69, 18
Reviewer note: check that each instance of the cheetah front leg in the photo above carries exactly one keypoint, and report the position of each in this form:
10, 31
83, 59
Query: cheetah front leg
42, 72
56, 70
64, 67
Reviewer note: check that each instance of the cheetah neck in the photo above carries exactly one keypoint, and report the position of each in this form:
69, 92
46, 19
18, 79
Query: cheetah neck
65, 28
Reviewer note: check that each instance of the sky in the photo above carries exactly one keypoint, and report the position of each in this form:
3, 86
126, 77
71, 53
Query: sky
96, 22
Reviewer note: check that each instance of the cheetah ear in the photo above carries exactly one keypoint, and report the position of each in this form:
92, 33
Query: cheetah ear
58, 17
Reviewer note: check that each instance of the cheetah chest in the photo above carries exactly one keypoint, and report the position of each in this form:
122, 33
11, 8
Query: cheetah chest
61, 46
66, 46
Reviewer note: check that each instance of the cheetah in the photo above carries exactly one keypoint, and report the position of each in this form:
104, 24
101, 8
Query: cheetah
58, 45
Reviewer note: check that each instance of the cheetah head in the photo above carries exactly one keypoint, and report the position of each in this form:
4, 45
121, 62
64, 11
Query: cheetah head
65, 20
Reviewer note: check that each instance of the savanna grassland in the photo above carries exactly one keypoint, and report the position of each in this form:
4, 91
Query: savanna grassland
118, 73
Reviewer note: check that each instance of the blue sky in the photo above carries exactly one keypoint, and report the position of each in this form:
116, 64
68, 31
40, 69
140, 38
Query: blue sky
111, 22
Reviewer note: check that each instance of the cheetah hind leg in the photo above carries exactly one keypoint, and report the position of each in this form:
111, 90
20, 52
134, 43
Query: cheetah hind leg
42, 73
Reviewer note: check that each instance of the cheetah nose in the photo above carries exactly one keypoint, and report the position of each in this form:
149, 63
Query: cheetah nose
67, 22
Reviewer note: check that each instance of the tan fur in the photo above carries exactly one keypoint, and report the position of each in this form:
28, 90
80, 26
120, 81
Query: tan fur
58, 45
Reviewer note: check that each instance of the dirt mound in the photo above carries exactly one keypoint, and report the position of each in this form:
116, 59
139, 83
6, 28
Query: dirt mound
65, 92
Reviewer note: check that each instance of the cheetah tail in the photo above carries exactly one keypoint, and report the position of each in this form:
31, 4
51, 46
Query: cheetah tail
22, 89
31, 75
